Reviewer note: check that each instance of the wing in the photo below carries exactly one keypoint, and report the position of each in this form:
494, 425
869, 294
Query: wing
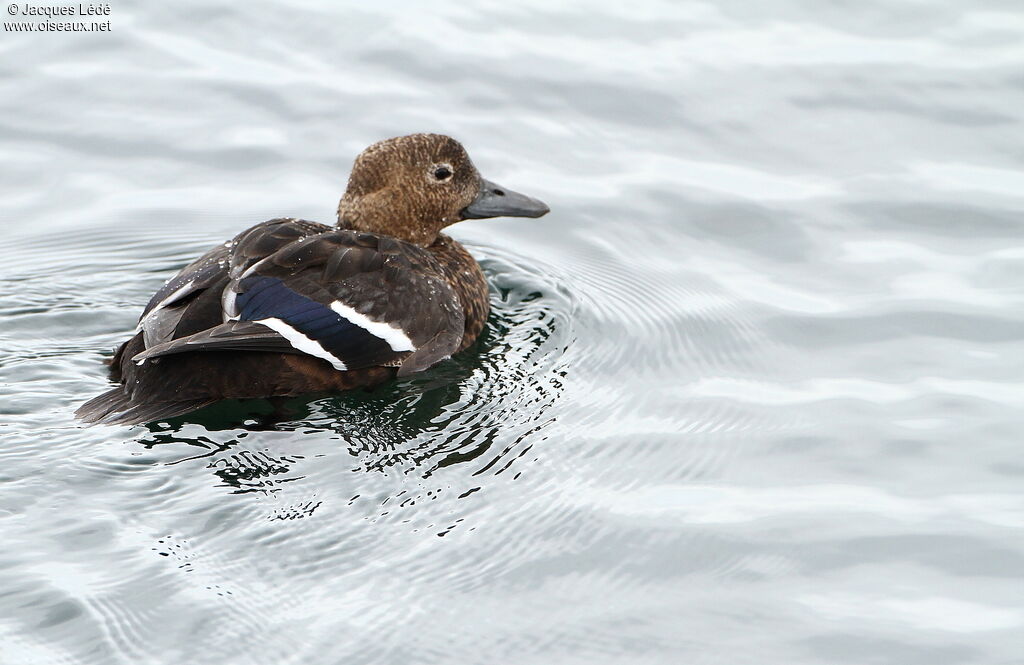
190, 301
353, 299
166, 308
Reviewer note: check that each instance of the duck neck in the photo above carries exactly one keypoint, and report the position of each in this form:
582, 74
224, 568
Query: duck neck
374, 214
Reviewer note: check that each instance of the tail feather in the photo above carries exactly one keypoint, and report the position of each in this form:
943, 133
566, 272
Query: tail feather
114, 407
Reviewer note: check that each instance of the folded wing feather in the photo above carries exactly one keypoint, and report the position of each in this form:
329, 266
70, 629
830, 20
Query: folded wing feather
353, 299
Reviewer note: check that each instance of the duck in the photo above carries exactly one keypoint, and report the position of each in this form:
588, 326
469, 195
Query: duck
290, 306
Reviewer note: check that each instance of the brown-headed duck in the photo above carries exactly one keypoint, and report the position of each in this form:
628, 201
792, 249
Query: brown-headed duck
290, 306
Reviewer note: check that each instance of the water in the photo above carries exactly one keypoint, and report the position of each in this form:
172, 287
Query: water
751, 393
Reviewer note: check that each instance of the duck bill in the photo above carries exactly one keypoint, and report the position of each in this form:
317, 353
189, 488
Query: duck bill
497, 201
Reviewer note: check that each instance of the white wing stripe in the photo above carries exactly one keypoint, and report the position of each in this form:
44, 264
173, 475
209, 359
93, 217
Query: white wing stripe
395, 337
301, 342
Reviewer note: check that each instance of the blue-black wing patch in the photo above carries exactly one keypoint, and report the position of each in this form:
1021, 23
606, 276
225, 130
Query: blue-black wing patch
261, 298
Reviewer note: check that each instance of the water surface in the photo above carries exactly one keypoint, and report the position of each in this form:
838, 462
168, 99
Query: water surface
751, 393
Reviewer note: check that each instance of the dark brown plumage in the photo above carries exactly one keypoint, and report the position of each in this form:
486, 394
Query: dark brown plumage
291, 306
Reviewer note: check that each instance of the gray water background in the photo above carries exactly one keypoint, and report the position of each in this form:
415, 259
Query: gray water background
751, 393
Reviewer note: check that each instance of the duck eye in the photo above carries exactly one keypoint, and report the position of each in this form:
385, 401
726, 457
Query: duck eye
442, 172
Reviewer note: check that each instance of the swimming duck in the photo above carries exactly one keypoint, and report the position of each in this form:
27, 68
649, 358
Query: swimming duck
291, 306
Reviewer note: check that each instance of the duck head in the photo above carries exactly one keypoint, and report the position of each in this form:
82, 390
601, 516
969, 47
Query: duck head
411, 187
